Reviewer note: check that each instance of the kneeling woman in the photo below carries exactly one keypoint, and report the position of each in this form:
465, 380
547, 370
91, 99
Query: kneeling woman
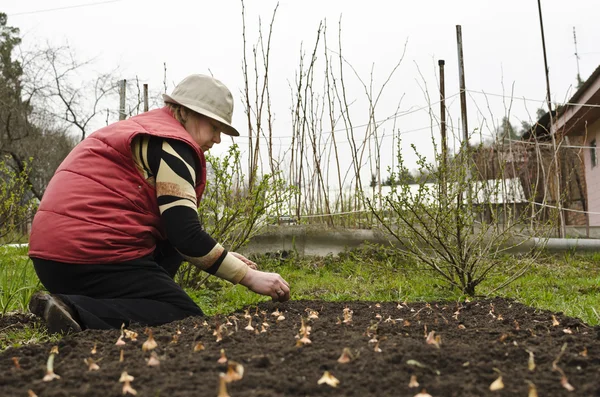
120, 215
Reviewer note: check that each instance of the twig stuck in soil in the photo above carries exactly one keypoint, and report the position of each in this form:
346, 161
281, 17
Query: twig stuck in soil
557, 359
126, 379
563, 380
93, 351
30, 393
122, 356
329, 379
150, 343
50, 375
15, 361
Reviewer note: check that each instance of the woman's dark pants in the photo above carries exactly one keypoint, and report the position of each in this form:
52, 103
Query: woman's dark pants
104, 296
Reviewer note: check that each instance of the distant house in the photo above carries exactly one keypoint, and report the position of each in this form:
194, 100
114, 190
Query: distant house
578, 122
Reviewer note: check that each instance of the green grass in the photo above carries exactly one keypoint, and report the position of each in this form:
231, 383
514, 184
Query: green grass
23, 335
18, 280
562, 283
568, 283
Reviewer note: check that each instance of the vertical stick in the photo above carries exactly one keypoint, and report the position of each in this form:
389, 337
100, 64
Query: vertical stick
122, 97
441, 64
463, 115
145, 97
463, 93
165, 77
561, 221
465, 142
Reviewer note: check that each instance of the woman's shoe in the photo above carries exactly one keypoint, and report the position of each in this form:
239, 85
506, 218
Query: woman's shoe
59, 317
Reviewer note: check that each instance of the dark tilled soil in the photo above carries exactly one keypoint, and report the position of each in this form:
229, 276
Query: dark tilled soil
496, 339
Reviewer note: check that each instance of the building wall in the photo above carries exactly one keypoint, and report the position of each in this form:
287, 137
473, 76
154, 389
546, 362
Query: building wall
592, 174
575, 180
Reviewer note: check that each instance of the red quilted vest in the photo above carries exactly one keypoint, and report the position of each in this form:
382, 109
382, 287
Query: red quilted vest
98, 208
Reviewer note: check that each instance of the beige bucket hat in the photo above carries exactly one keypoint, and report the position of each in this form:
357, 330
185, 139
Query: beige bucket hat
207, 96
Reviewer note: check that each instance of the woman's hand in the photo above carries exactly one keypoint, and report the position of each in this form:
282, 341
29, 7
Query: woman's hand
251, 265
265, 283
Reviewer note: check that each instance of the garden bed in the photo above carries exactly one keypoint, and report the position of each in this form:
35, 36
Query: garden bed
478, 342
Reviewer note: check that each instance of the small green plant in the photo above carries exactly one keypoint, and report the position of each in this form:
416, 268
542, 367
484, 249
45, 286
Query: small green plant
17, 206
456, 222
18, 280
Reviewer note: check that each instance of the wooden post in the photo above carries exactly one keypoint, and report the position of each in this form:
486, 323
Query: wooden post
561, 218
145, 97
463, 92
443, 130
122, 97
463, 112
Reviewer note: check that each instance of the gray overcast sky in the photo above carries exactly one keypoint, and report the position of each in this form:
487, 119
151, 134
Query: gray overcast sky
501, 44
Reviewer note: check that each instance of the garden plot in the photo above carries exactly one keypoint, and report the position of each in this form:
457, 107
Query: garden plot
312, 348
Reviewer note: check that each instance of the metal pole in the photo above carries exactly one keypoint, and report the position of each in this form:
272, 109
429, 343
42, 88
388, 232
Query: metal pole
145, 97
561, 221
441, 64
122, 96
